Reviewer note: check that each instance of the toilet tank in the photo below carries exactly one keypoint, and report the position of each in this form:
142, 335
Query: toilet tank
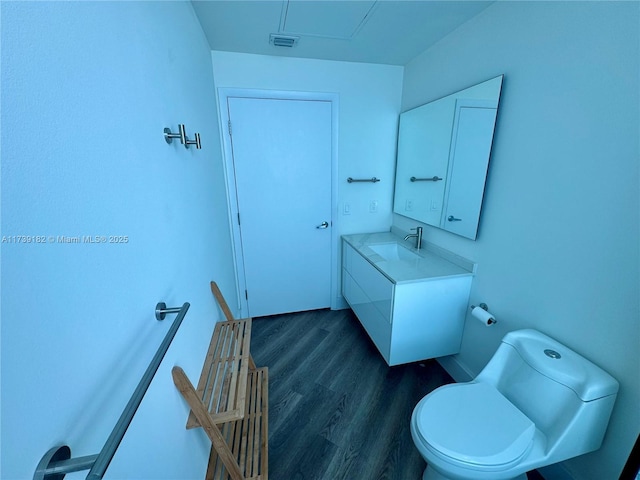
568, 398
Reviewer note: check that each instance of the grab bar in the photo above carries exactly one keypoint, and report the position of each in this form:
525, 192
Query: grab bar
57, 462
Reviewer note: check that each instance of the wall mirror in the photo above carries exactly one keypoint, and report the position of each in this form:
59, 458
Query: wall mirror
443, 156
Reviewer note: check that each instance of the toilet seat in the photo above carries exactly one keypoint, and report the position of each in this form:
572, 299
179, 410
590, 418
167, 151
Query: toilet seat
474, 426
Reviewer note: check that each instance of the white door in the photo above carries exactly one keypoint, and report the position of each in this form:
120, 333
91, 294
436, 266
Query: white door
471, 141
282, 167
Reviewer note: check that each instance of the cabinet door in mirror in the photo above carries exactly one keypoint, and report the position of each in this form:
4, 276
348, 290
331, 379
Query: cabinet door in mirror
443, 156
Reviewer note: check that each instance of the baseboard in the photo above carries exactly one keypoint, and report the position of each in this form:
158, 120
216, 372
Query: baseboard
339, 303
458, 371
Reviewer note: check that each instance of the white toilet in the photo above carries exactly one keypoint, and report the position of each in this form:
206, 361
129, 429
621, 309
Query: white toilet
535, 403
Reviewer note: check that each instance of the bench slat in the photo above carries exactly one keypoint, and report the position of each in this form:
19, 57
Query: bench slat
247, 437
223, 382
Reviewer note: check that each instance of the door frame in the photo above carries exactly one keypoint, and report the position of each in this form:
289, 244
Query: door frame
232, 195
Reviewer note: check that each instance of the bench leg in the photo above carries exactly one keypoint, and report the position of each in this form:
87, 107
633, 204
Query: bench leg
221, 301
211, 429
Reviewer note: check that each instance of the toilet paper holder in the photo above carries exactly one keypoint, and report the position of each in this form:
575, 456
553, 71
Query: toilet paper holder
487, 318
481, 305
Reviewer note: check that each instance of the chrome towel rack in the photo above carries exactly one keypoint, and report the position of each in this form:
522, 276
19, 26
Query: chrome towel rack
431, 179
57, 462
372, 180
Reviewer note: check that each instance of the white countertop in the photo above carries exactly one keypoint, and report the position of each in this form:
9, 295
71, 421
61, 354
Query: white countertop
433, 262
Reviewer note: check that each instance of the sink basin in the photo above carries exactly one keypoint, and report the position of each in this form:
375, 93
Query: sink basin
394, 251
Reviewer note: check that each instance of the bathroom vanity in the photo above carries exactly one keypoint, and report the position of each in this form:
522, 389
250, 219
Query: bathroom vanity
411, 302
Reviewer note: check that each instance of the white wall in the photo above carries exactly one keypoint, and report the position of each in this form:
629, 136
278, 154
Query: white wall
87, 88
369, 105
558, 244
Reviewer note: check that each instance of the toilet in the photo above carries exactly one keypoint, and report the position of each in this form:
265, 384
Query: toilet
534, 404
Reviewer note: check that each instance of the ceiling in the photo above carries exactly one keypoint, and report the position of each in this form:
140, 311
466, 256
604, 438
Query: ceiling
372, 31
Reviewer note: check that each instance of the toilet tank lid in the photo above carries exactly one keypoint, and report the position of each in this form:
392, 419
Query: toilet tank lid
561, 364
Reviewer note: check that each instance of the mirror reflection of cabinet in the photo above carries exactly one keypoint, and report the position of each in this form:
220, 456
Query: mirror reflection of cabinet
443, 156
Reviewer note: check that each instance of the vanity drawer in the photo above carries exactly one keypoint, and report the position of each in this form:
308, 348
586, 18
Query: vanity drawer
378, 288
376, 324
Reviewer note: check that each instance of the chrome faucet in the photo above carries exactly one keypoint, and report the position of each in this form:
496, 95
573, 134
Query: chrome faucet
418, 236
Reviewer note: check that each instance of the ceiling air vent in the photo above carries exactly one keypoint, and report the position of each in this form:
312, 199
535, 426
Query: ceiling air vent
283, 40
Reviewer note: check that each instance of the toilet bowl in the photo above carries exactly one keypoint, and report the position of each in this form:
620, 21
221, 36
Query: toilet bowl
535, 403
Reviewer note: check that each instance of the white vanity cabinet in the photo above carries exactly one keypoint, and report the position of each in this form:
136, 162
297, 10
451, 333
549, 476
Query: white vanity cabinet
407, 319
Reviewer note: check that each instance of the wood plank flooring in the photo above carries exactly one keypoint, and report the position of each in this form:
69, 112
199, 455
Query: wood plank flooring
336, 410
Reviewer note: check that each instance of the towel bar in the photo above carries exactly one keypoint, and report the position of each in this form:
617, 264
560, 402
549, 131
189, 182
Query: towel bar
57, 462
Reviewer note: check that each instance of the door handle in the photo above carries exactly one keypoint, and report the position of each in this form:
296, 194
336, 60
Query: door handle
323, 225
451, 218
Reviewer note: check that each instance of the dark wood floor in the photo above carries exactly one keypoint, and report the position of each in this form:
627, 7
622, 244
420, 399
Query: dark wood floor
336, 410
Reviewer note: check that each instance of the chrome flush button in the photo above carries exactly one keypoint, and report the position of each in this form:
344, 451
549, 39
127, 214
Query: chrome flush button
552, 353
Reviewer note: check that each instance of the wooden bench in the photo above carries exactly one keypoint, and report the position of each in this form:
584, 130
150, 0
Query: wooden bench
230, 402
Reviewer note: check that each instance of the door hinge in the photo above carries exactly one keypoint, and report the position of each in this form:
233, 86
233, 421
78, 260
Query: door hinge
238, 218
229, 126
246, 295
